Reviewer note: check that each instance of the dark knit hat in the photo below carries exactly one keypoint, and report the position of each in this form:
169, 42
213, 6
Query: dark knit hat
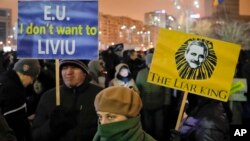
29, 67
118, 100
117, 47
78, 63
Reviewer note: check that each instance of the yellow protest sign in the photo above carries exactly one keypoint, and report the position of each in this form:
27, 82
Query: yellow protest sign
194, 64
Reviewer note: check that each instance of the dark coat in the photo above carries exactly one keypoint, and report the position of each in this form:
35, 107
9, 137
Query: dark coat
207, 122
6, 133
153, 96
135, 66
32, 96
111, 60
246, 105
83, 98
13, 105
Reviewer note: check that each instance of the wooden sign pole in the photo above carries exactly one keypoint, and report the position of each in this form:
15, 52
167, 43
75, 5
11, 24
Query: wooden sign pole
57, 83
180, 116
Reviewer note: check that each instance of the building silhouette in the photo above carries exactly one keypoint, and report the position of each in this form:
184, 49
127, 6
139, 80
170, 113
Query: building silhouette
5, 24
228, 9
121, 29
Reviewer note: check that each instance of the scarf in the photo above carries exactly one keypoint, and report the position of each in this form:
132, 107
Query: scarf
124, 79
128, 130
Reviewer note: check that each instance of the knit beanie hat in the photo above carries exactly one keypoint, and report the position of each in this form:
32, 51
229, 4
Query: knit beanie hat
118, 100
117, 47
148, 58
78, 63
30, 67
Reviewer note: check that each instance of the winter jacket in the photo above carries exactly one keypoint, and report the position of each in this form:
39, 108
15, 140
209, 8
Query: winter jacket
111, 60
95, 72
82, 98
246, 105
135, 66
153, 96
13, 105
128, 130
207, 122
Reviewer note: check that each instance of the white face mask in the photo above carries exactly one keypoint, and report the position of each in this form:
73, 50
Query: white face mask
124, 72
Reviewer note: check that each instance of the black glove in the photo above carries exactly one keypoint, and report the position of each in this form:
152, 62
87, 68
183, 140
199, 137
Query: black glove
175, 135
62, 120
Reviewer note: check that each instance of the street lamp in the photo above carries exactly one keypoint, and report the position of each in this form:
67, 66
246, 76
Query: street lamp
148, 35
1, 45
100, 41
144, 34
186, 11
129, 31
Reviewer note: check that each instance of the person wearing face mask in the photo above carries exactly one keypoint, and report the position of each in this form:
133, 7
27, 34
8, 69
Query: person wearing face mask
123, 77
111, 58
75, 119
118, 110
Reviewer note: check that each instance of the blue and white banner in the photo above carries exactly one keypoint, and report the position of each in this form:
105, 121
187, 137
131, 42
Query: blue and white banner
58, 29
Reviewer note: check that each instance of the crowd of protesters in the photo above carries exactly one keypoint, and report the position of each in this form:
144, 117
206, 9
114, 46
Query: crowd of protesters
29, 111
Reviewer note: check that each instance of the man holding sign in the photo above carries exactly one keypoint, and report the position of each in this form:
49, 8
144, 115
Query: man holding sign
75, 119
201, 66
206, 121
68, 30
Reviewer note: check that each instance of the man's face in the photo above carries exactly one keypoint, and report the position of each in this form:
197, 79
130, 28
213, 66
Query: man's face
72, 75
134, 55
27, 80
195, 56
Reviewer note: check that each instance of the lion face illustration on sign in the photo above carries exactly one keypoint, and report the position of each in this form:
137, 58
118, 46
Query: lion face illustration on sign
196, 59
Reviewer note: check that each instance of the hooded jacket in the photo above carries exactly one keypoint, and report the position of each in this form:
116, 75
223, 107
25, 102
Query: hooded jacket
127, 130
94, 70
118, 82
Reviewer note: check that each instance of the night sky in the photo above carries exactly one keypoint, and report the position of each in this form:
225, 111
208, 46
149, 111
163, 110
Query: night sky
131, 8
